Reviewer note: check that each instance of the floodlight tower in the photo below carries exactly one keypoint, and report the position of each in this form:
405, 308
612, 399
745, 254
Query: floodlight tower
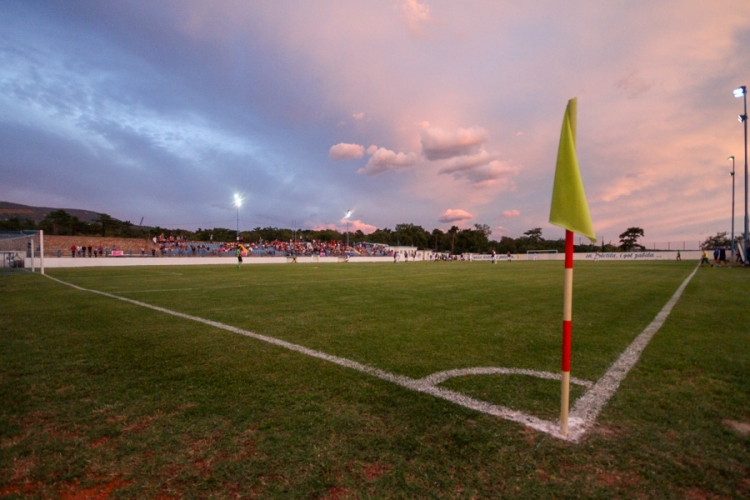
732, 174
742, 92
346, 218
238, 203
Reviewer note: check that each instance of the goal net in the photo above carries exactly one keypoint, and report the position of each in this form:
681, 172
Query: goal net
21, 250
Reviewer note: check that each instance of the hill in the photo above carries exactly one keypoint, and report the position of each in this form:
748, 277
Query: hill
9, 210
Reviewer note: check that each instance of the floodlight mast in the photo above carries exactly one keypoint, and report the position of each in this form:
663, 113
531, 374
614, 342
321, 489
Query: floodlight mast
346, 218
742, 92
238, 203
733, 177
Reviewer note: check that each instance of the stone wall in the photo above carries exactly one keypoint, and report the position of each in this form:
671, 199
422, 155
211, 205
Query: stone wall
63, 243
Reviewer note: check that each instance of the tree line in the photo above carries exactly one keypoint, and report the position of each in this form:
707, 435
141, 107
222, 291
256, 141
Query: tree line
454, 240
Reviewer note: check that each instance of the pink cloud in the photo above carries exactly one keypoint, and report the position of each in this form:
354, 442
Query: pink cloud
454, 215
481, 172
344, 151
354, 225
437, 144
384, 160
631, 183
415, 15
509, 214
358, 225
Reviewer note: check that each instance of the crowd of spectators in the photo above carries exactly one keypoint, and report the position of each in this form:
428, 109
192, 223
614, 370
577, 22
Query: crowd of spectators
168, 246
308, 248
88, 251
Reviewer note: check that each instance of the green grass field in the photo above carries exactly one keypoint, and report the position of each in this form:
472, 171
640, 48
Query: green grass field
103, 397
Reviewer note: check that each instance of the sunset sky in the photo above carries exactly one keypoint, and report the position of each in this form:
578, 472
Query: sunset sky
431, 112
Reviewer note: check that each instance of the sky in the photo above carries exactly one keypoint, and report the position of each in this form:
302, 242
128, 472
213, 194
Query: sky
431, 112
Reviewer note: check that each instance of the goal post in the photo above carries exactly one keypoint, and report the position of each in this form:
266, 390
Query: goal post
547, 254
19, 247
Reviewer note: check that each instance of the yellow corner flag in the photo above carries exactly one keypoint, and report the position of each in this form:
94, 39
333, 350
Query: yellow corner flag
569, 207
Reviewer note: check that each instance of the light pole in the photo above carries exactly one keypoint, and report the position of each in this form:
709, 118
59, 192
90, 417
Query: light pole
742, 92
732, 174
346, 218
238, 203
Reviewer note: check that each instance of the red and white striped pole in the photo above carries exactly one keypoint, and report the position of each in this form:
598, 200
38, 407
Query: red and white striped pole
567, 331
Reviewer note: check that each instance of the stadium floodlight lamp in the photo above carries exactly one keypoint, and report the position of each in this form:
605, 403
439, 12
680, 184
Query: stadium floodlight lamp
346, 218
742, 118
739, 91
237, 200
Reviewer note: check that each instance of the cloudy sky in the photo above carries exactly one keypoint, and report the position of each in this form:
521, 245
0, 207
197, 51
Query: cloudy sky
432, 112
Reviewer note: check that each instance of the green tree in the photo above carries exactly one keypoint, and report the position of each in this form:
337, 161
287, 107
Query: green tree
534, 235
436, 238
505, 245
720, 240
382, 236
59, 222
411, 235
105, 222
453, 231
484, 229
629, 239
16, 224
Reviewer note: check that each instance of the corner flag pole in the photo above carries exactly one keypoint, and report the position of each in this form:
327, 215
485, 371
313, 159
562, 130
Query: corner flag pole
567, 332
569, 209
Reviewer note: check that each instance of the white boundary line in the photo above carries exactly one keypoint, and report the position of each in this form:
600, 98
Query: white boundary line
584, 412
588, 406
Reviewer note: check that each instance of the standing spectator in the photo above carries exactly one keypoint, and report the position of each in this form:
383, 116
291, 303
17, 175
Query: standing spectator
73, 251
723, 256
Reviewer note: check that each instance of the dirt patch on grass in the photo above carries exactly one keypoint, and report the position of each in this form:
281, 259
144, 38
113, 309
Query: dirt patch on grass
617, 479
246, 450
337, 493
98, 492
605, 431
25, 489
542, 476
699, 494
139, 425
99, 442
374, 471
21, 469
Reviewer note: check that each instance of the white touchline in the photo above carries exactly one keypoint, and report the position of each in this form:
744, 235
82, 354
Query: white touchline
588, 406
584, 412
